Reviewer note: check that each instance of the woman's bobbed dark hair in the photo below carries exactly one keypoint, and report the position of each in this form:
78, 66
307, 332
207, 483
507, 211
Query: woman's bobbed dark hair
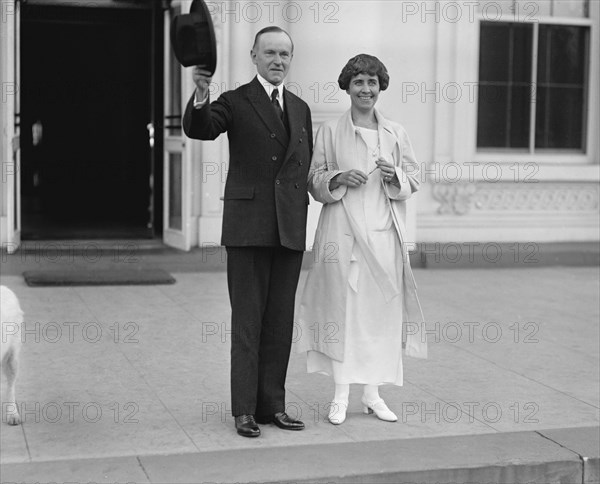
364, 64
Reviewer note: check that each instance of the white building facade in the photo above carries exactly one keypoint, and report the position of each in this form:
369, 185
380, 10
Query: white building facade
500, 99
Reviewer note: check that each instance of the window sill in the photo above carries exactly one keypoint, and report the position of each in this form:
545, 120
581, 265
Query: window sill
549, 158
527, 172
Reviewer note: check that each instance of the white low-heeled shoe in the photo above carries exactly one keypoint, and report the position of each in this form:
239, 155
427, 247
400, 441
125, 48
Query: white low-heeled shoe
380, 408
337, 412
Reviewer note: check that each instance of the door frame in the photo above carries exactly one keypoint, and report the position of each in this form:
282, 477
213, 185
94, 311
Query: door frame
10, 221
176, 148
11, 178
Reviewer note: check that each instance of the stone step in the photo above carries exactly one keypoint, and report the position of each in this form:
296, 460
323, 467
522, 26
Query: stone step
553, 456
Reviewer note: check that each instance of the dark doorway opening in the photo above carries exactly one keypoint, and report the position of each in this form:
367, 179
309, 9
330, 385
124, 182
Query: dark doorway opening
86, 100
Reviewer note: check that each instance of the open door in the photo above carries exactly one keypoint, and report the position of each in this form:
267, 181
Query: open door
11, 107
177, 162
86, 167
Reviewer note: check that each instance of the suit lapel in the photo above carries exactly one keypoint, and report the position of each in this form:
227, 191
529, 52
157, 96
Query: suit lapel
294, 112
262, 105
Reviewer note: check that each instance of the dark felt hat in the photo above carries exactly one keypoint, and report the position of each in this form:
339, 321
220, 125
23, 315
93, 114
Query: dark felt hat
193, 37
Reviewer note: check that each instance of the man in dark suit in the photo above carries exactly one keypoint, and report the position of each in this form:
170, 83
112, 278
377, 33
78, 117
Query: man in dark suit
264, 222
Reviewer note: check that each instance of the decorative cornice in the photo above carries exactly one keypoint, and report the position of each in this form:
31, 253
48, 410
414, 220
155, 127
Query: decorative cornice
462, 198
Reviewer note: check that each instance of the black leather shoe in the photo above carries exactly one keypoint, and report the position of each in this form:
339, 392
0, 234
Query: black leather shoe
246, 426
283, 421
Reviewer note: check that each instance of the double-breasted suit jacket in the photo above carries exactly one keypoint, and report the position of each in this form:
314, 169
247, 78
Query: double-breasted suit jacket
265, 202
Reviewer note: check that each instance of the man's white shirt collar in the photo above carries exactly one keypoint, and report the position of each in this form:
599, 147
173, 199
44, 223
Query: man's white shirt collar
269, 88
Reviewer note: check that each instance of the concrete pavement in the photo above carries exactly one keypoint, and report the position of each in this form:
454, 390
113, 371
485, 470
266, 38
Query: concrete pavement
130, 384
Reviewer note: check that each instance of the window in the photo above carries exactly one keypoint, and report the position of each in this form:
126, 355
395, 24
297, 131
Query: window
561, 86
504, 85
533, 83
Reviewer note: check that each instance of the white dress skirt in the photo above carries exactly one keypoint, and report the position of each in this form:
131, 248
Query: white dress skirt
373, 327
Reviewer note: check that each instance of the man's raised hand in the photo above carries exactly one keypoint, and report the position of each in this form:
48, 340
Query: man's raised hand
202, 78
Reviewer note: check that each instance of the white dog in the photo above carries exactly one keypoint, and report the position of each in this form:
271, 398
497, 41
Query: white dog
11, 317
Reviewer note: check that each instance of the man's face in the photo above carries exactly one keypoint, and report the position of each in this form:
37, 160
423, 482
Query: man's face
273, 56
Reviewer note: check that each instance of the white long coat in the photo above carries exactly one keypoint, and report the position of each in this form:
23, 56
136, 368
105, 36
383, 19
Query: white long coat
323, 305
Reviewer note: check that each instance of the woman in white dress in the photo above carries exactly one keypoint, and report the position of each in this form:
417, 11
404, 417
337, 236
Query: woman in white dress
360, 289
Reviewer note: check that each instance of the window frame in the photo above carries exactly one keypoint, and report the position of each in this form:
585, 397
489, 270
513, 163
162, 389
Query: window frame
546, 155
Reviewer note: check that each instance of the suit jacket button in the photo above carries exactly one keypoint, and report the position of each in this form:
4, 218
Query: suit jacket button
278, 182
300, 140
272, 135
303, 130
300, 163
297, 185
274, 158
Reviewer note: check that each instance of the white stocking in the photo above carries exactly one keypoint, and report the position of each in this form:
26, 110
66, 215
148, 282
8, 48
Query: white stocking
341, 393
371, 393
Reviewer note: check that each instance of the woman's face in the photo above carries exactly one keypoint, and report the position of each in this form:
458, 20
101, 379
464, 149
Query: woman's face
363, 91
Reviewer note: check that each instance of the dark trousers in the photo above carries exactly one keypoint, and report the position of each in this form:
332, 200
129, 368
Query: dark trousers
262, 285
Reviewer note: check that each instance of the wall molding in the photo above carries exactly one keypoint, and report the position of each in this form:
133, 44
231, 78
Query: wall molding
462, 199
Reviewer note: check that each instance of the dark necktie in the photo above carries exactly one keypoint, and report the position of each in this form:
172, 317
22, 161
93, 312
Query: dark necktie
276, 105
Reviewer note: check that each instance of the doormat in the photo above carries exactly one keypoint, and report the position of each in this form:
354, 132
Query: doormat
101, 277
